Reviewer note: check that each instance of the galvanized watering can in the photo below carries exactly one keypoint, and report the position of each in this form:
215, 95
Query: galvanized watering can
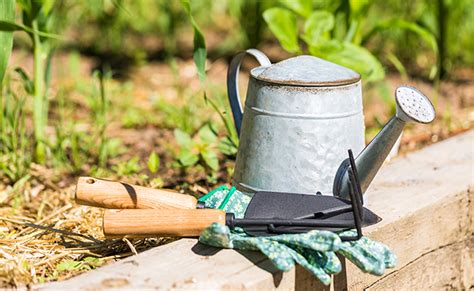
301, 116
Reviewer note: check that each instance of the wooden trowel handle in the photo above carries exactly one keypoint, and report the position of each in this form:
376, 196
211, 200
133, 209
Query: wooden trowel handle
137, 223
108, 194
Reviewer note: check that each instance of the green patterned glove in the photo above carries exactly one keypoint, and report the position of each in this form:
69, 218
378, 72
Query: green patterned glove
314, 250
369, 255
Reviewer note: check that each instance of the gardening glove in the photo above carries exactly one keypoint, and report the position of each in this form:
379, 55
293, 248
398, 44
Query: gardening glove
370, 256
314, 250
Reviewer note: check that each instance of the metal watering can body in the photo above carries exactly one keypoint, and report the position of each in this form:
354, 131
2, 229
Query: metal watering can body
300, 117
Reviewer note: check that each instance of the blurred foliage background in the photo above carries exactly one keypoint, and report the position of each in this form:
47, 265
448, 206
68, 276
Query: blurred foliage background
139, 30
69, 121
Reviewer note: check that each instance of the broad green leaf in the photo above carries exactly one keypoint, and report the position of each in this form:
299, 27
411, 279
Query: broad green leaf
207, 135
7, 14
199, 53
351, 56
153, 162
210, 158
302, 7
183, 138
317, 26
282, 23
187, 158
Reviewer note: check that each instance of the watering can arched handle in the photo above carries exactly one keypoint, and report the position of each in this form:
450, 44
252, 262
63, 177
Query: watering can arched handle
233, 82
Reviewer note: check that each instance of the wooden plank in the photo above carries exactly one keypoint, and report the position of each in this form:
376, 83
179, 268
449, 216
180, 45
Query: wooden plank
184, 264
425, 199
441, 269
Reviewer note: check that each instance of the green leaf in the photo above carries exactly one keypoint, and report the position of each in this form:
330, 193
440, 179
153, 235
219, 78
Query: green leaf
93, 261
210, 158
423, 33
10, 26
317, 26
7, 13
302, 7
359, 7
46, 5
153, 162
399, 23
282, 23
183, 138
68, 265
227, 120
187, 158
398, 65
227, 147
27, 83
199, 53
207, 135
352, 56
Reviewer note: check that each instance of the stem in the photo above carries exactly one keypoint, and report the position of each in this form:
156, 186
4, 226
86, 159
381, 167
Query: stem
39, 109
102, 122
442, 14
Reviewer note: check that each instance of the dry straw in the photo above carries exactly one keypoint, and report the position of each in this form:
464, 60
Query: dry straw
44, 236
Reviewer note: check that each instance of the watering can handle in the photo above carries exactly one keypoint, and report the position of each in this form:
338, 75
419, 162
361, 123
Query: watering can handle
233, 82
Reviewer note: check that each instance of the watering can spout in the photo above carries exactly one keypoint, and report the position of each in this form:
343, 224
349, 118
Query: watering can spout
412, 106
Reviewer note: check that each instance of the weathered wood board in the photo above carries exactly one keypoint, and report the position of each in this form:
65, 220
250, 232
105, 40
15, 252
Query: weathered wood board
426, 201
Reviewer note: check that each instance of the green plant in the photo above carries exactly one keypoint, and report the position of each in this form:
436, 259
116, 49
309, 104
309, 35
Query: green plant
74, 146
229, 144
153, 162
88, 263
15, 158
337, 31
99, 105
200, 148
129, 167
187, 116
38, 20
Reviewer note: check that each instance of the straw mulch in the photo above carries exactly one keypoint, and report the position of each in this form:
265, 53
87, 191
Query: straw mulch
45, 236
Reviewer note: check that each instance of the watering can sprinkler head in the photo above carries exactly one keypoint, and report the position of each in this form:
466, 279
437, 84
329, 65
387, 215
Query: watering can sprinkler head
412, 106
